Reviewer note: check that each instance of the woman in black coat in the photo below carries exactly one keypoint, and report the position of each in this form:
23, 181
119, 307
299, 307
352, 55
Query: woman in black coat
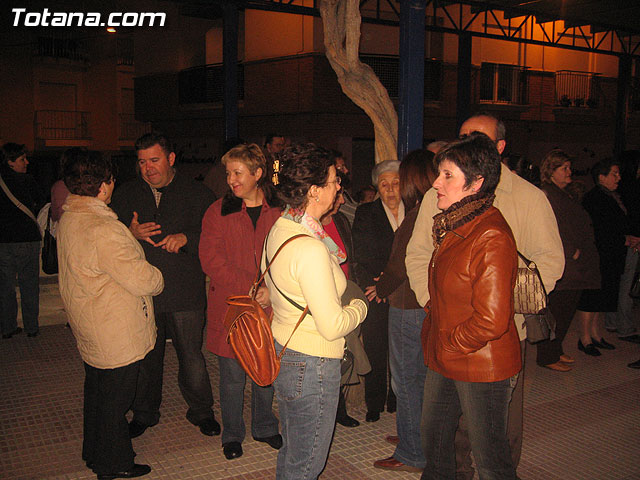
612, 231
373, 232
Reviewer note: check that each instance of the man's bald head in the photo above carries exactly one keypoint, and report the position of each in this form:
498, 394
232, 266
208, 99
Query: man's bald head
489, 125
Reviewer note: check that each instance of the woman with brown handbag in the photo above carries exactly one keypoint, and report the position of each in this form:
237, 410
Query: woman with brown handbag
233, 233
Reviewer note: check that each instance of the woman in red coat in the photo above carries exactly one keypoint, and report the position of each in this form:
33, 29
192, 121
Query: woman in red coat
233, 232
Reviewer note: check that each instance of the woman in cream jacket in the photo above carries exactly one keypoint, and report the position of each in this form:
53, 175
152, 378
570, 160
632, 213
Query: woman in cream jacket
307, 273
106, 286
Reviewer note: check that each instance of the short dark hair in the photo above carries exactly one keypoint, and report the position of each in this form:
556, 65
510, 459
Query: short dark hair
148, 140
84, 171
416, 172
11, 152
603, 167
476, 156
270, 136
304, 165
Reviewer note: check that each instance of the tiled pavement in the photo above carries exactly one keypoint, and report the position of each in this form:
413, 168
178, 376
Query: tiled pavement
579, 425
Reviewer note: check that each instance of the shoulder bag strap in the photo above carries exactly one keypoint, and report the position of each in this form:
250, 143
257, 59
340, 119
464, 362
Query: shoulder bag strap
15, 201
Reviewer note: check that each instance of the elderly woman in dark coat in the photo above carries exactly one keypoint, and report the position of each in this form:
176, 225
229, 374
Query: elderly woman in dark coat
373, 231
581, 257
613, 235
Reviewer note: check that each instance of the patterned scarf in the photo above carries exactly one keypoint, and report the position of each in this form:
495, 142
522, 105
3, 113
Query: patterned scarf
315, 227
458, 214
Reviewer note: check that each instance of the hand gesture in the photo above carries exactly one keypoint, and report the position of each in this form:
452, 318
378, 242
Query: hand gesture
144, 231
173, 243
262, 297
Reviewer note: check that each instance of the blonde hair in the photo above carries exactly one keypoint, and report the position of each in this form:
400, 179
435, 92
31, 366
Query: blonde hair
554, 159
250, 155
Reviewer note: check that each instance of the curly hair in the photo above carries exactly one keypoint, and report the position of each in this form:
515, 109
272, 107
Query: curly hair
552, 160
476, 156
304, 165
84, 171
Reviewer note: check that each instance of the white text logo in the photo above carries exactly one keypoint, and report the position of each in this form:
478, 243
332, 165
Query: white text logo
88, 19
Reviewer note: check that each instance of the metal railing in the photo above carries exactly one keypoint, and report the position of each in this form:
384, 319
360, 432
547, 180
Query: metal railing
577, 89
130, 128
205, 84
62, 125
506, 84
387, 67
61, 47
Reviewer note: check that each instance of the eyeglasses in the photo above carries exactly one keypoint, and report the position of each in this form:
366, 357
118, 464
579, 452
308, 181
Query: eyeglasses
337, 181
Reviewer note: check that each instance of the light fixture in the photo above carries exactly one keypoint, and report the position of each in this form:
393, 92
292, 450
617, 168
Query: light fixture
111, 29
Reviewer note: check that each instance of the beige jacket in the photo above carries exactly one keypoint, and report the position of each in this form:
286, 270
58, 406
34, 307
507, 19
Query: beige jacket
308, 274
532, 221
106, 285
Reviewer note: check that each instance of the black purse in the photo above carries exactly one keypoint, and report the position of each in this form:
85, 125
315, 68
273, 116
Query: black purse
49, 249
541, 326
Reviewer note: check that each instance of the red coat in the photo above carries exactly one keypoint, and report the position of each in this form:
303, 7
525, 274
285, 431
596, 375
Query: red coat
472, 336
230, 253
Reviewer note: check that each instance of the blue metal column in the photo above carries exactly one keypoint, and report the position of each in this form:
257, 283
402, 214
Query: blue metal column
411, 82
622, 103
230, 69
463, 103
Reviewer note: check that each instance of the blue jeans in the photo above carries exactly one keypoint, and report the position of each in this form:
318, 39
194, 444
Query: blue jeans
407, 380
307, 388
185, 329
622, 320
21, 260
485, 407
232, 381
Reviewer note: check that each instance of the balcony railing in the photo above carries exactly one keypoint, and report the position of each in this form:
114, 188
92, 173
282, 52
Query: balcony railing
62, 125
504, 84
61, 47
387, 70
205, 84
576, 89
130, 128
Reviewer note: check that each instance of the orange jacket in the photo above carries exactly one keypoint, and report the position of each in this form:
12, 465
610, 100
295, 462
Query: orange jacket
469, 334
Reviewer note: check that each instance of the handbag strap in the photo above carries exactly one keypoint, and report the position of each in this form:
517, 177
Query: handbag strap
531, 265
261, 277
15, 201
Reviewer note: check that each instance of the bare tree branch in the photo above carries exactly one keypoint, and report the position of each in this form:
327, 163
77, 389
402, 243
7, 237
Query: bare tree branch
341, 21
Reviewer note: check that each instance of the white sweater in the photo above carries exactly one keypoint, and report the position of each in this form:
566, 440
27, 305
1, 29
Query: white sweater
308, 274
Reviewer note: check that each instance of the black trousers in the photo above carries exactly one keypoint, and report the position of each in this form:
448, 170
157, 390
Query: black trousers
186, 330
563, 304
375, 338
108, 394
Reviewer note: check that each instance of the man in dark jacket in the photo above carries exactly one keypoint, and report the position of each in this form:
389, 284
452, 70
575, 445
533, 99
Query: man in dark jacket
164, 212
20, 201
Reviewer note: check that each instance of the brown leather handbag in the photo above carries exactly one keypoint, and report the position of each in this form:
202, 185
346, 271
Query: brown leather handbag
249, 332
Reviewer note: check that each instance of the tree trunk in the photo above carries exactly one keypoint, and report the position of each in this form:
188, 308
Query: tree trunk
341, 20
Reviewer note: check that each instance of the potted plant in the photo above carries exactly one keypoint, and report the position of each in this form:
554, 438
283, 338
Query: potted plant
578, 102
564, 101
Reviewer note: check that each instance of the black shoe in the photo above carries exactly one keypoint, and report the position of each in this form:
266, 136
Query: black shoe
274, 441
635, 338
602, 344
590, 349
232, 450
635, 364
210, 427
347, 421
135, 471
372, 416
136, 428
9, 335
33, 334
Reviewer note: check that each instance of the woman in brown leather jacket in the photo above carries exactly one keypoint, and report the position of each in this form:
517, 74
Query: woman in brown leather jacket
471, 346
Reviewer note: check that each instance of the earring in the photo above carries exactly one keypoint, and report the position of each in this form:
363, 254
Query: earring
317, 199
